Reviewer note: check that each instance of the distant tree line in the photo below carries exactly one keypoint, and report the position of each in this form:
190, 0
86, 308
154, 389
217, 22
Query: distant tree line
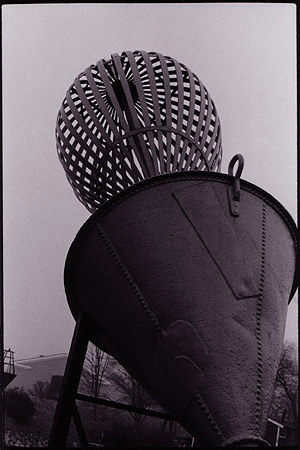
101, 370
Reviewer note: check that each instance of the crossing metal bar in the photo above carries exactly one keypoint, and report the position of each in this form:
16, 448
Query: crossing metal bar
66, 408
79, 427
117, 405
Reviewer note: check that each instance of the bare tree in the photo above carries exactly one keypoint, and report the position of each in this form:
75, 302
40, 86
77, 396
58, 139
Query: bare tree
95, 366
285, 399
131, 391
287, 378
40, 389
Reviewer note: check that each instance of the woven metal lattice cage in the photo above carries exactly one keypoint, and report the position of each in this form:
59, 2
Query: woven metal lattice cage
134, 116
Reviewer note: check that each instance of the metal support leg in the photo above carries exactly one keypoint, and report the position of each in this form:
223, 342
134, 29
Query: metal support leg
79, 427
66, 403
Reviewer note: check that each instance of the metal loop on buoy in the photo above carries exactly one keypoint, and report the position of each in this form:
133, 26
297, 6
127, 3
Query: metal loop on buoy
234, 192
237, 176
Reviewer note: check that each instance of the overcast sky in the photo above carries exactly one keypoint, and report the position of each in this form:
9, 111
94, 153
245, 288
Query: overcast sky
245, 55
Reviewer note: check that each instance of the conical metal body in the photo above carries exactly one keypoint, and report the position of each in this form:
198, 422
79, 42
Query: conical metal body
191, 296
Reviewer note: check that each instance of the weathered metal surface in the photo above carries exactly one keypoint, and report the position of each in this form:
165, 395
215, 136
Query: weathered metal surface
190, 298
134, 116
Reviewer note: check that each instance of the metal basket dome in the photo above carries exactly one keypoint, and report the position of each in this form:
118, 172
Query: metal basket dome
134, 116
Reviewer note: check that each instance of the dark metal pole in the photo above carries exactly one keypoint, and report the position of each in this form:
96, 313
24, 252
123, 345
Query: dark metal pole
117, 405
66, 403
2, 426
79, 427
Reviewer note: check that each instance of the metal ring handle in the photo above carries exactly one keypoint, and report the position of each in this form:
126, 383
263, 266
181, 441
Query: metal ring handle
238, 157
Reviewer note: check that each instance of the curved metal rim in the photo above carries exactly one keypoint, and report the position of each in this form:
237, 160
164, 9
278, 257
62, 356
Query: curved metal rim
179, 176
